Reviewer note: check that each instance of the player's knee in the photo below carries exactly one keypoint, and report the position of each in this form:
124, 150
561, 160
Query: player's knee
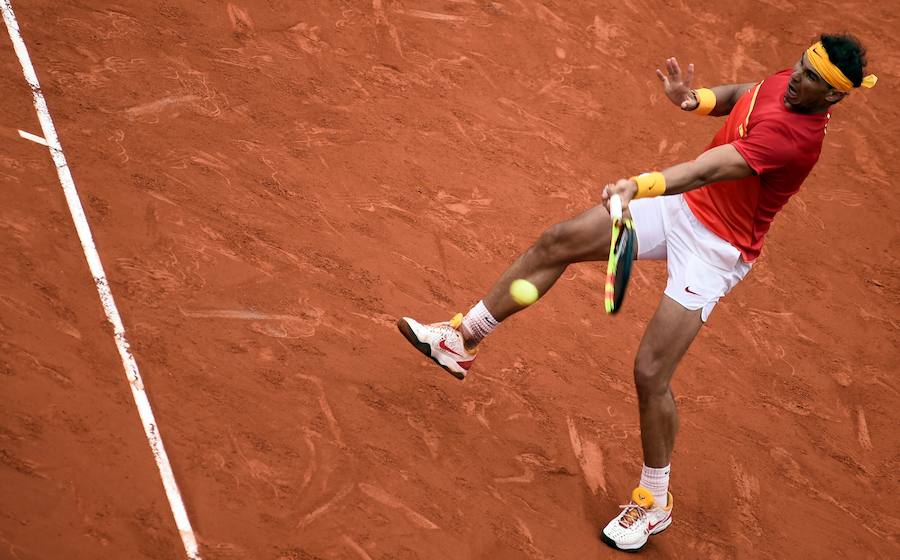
650, 375
554, 245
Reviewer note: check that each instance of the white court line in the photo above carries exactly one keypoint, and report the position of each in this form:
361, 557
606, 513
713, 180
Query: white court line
106, 298
33, 137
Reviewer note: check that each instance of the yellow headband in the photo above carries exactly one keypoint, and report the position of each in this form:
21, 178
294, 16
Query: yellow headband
818, 58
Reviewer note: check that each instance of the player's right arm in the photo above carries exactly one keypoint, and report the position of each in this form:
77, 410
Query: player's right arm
677, 86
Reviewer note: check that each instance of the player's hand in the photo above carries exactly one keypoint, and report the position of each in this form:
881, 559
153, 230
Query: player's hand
625, 188
678, 85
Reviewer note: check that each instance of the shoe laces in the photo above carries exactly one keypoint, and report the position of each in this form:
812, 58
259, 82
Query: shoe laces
448, 329
453, 328
632, 514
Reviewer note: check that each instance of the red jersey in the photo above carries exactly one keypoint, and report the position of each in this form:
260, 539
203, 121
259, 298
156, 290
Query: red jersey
781, 147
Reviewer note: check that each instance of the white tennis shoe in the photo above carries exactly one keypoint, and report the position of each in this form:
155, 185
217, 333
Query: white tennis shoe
631, 529
442, 342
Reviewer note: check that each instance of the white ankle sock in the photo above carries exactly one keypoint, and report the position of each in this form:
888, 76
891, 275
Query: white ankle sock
479, 322
657, 482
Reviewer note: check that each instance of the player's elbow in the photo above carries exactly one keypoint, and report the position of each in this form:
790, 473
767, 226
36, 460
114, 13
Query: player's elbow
704, 174
712, 172
723, 163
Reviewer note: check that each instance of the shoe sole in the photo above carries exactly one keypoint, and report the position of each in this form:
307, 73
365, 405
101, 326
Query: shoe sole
612, 544
422, 347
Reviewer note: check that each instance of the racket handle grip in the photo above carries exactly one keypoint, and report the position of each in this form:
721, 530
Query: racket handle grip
615, 207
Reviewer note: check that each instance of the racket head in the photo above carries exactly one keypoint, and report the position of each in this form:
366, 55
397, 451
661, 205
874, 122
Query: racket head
621, 258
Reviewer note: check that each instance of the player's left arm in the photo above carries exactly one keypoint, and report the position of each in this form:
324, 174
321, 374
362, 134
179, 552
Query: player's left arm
722, 163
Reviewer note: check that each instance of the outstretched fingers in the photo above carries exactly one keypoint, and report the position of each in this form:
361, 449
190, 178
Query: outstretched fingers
674, 71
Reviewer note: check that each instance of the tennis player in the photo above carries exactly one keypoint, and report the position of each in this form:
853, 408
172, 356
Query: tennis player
707, 218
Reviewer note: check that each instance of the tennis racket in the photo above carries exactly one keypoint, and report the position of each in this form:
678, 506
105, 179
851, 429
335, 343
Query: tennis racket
621, 255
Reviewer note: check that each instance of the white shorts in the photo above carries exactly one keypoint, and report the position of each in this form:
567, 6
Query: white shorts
702, 266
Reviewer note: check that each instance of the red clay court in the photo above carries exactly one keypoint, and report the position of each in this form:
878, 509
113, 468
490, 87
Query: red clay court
270, 184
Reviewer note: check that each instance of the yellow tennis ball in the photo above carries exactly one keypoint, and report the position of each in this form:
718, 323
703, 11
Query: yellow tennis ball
523, 292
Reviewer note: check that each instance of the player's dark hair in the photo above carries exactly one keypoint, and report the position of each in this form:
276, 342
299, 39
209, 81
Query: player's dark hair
847, 53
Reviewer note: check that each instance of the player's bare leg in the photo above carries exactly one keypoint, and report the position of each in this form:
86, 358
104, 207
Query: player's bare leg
452, 344
666, 339
583, 238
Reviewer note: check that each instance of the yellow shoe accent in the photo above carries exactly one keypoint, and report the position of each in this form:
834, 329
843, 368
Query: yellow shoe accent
456, 321
642, 497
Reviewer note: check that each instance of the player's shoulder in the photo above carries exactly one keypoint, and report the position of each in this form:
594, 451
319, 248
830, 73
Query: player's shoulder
777, 133
774, 84
783, 73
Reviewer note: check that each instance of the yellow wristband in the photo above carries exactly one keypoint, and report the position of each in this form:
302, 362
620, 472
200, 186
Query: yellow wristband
649, 184
706, 99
